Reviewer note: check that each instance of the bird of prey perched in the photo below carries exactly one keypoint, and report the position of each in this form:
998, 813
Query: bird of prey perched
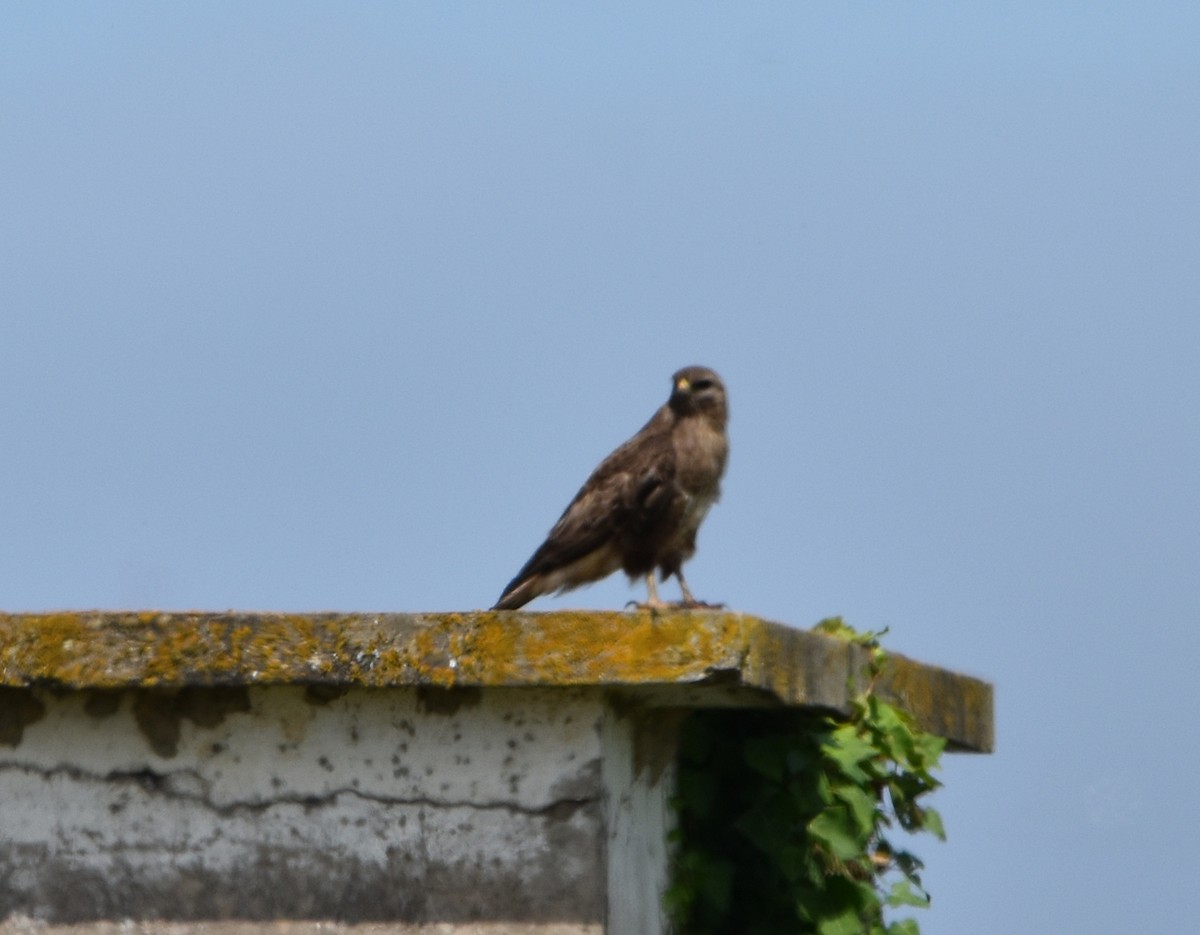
640, 509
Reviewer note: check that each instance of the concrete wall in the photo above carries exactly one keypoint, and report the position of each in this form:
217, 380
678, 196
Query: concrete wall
400, 805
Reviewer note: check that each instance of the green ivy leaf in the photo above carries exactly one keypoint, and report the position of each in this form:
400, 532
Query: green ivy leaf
930, 748
838, 832
861, 805
833, 626
808, 797
933, 824
909, 864
793, 862
846, 922
849, 751
902, 893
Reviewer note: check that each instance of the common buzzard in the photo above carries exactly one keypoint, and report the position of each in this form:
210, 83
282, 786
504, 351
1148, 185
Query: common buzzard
640, 509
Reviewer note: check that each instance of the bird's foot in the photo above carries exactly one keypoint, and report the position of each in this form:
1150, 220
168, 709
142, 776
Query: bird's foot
659, 606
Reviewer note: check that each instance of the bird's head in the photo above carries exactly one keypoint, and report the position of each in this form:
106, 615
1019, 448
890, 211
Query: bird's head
698, 389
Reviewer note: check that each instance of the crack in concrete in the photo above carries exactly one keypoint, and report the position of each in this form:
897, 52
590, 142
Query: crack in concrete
173, 785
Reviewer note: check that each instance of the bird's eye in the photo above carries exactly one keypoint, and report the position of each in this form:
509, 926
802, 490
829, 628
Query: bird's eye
702, 384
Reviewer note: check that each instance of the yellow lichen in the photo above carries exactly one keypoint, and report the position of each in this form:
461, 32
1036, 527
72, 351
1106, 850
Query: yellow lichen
485, 649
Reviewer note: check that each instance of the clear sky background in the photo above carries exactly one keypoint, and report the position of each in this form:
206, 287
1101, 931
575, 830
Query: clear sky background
334, 306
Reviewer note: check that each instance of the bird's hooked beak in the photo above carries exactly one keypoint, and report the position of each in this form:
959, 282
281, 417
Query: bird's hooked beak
682, 385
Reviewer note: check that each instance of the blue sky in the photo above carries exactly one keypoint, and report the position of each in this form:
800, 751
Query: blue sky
335, 306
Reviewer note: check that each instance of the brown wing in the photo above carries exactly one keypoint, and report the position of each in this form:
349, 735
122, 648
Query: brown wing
603, 528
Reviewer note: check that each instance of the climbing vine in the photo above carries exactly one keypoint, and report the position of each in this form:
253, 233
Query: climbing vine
787, 823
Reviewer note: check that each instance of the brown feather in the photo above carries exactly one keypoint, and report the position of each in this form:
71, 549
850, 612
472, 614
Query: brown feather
641, 508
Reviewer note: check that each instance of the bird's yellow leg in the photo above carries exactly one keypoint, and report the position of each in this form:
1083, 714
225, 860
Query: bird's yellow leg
652, 598
687, 592
688, 599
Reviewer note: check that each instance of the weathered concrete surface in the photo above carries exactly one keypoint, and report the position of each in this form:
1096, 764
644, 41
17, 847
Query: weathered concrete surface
361, 807
692, 658
639, 778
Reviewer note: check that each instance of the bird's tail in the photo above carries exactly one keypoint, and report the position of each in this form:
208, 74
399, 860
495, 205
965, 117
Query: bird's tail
519, 593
